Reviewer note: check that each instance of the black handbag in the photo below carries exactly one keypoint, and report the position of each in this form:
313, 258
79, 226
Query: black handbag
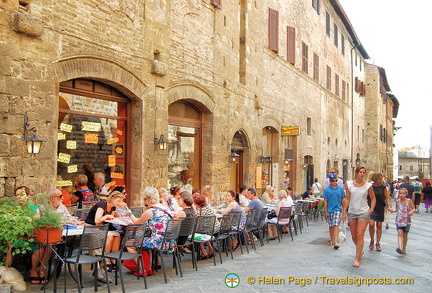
271, 215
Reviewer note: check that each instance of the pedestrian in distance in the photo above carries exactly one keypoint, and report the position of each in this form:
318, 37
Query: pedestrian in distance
418, 186
405, 209
334, 200
427, 196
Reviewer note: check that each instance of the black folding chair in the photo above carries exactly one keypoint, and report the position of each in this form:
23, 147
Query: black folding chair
223, 237
93, 240
187, 229
131, 247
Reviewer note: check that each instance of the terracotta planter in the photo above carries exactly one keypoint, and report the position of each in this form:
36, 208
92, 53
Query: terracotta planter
48, 235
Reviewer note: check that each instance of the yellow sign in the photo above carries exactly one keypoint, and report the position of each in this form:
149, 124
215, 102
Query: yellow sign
64, 183
111, 160
258, 177
66, 127
64, 158
61, 136
90, 126
91, 138
115, 175
71, 145
290, 130
112, 140
72, 169
119, 150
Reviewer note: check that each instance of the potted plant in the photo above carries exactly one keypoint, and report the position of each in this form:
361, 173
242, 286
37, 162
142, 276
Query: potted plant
48, 226
16, 229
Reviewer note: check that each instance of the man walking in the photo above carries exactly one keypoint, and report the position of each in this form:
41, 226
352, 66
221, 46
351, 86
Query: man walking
418, 187
334, 200
406, 184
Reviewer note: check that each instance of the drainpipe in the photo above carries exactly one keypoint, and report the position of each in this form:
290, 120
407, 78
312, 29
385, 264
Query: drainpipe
352, 103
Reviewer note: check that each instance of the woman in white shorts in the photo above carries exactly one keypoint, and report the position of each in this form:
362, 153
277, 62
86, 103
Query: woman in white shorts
358, 214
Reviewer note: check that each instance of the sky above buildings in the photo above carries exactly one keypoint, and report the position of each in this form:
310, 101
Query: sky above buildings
395, 33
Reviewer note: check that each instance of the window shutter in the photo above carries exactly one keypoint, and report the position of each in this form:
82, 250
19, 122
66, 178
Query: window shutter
291, 44
305, 58
327, 24
328, 78
273, 31
343, 90
336, 84
316, 67
216, 3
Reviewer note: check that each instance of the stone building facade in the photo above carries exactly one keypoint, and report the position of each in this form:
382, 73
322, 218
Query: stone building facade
279, 85
381, 108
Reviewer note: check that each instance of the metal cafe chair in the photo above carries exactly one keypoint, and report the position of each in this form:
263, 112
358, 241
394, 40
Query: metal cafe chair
235, 231
284, 219
248, 228
205, 226
137, 211
187, 229
133, 238
82, 213
170, 236
93, 239
223, 237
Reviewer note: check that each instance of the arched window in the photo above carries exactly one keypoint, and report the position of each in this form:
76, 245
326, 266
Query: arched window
92, 132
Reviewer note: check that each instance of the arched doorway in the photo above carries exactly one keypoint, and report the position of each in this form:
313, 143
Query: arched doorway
184, 145
239, 145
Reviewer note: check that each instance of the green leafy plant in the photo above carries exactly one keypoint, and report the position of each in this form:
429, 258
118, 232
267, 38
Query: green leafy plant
17, 223
48, 216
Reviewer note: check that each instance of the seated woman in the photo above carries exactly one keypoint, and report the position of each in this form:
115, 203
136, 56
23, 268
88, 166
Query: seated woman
103, 211
157, 216
203, 208
233, 199
185, 201
284, 201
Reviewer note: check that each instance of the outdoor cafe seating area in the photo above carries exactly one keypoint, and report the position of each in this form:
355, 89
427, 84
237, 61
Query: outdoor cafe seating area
81, 250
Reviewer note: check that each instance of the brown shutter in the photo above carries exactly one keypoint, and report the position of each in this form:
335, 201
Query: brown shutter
336, 84
305, 58
291, 44
343, 90
216, 3
273, 29
328, 78
316, 67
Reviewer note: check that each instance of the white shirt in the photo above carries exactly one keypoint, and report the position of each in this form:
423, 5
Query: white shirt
358, 200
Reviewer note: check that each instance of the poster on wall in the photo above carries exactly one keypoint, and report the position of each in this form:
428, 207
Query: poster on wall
258, 177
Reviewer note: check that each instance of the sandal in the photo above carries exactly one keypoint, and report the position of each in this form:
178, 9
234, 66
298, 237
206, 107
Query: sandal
205, 256
330, 243
35, 280
378, 246
111, 268
371, 245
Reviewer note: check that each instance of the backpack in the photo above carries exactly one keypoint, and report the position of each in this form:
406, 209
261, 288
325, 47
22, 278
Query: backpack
417, 187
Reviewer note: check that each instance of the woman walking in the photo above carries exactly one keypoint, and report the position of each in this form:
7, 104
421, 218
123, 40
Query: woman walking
377, 217
359, 212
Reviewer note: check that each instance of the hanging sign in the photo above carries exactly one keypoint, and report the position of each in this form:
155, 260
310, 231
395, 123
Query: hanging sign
64, 158
91, 138
64, 183
61, 136
72, 169
66, 127
116, 175
90, 126
71, 145
112, 140
111, 160
290, 130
